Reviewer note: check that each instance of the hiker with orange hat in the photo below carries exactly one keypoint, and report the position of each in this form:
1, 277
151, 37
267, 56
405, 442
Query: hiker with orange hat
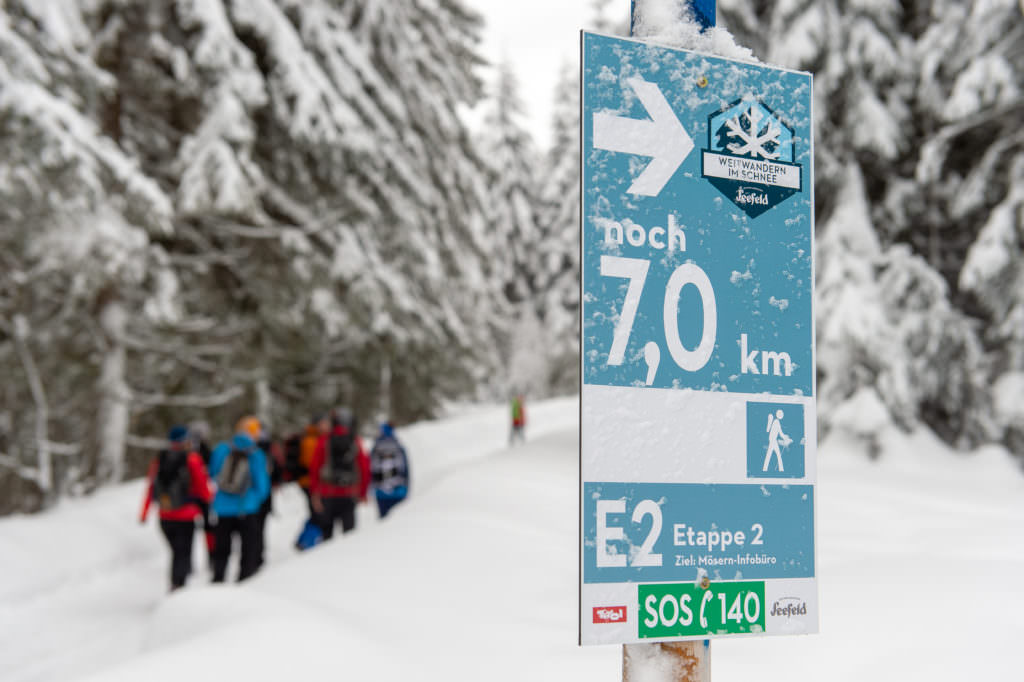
239, 469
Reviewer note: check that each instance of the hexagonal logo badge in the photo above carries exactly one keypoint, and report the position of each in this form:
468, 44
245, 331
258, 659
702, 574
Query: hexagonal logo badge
750, 156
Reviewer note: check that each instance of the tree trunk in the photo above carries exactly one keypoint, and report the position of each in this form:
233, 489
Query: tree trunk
385, 387
44, 458
113, 414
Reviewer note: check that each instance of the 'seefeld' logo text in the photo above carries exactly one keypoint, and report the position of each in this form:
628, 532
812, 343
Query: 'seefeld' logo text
788, 607
751, 196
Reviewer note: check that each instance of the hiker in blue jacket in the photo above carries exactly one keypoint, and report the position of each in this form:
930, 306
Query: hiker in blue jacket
239, 468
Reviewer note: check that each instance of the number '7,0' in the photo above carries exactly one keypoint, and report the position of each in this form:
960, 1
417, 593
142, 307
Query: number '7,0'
635, 270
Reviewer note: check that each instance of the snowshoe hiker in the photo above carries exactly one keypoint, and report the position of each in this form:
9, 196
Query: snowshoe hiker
518, 420
179, 485
339, 475
239, 469
389, 465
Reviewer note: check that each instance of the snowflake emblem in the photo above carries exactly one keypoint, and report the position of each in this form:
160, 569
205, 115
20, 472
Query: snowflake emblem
754, 139
742, 138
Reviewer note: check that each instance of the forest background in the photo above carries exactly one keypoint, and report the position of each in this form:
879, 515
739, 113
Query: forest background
214, 207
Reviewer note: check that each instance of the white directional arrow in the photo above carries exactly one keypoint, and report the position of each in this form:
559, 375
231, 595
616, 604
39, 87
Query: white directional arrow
663, 137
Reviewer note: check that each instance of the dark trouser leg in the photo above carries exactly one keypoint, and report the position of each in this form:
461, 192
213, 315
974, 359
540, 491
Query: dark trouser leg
250, 529
208, 531
261, 522
222, 532
325, 519
179, 536
345, 509
309, 502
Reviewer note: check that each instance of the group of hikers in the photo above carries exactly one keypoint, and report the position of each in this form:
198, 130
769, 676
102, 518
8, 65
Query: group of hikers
229, 486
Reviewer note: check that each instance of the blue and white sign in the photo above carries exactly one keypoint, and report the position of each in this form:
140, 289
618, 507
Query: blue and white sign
698, 430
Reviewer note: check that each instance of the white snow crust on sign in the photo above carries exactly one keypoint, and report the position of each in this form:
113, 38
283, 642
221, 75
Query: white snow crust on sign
475, 577
659, 21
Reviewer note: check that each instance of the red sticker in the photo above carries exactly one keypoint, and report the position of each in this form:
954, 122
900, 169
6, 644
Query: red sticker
609, 614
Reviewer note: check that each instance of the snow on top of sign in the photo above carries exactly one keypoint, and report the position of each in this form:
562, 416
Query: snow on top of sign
659, 21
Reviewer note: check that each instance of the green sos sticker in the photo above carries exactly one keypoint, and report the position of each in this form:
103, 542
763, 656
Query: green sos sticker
680, 610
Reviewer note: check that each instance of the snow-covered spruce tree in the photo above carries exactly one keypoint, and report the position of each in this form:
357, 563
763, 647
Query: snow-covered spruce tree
418, 196
922, 98
560, 224
855, 345
967, 208
283, 208
78, 217
514, 216
329, 197
512, 175
188, 96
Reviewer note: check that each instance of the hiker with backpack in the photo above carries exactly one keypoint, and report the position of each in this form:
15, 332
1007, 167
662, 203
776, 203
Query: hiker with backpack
389, 465
339, 475
179, 485
240, 471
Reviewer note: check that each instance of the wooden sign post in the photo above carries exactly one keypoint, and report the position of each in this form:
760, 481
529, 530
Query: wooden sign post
670, 661
667, 661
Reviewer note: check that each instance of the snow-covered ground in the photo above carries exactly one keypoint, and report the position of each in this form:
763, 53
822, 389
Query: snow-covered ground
475, 578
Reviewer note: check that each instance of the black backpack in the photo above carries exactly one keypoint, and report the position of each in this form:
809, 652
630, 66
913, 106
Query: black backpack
292, 455
173, 480
340, 461
235, 477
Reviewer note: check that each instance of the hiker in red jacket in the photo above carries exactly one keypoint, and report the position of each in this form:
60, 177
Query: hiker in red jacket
179, 485
339, 475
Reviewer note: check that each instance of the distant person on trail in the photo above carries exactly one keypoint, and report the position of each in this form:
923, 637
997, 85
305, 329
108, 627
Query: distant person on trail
389, 465
240, 471
339, 474
178, 484
518, 420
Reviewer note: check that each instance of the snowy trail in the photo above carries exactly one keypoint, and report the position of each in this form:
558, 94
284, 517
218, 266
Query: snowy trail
919, 563
81, 584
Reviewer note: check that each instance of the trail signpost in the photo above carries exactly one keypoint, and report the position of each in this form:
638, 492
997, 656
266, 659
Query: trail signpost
698, 429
